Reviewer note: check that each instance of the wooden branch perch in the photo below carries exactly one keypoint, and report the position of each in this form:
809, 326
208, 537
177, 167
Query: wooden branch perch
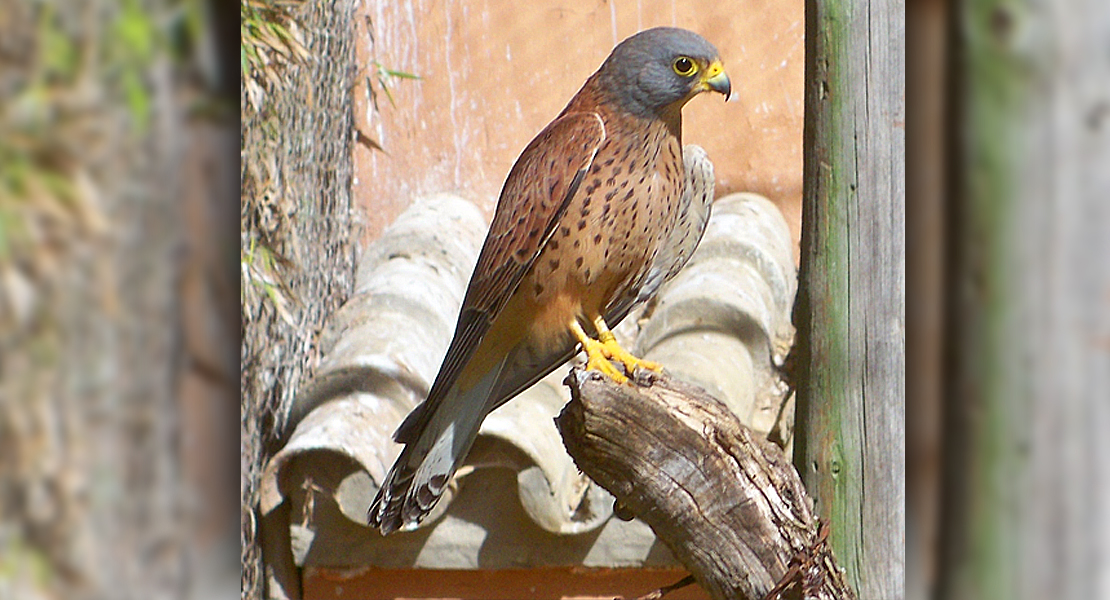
728, 503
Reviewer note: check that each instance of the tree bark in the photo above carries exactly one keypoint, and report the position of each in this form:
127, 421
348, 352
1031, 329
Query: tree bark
728, 503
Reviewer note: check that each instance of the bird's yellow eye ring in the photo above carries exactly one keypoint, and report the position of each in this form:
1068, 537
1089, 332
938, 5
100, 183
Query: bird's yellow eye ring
684, 66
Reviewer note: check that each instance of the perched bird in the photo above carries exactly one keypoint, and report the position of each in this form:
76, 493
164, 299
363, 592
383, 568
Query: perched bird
595, 214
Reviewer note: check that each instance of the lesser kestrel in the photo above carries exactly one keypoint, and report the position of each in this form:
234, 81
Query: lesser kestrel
599, 209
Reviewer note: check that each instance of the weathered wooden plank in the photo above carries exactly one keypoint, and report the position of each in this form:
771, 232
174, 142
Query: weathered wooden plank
1028, 461
850, 313
727, 502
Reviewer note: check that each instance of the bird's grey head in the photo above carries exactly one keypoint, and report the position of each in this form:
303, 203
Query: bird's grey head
661, 69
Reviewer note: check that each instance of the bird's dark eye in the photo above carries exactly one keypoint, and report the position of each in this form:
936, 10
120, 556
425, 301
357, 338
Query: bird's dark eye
684, 66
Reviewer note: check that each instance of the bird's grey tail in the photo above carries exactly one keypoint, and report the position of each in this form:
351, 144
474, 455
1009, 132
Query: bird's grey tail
433, 450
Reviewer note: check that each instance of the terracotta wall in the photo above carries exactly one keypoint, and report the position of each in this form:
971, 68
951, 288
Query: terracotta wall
502, 584
493, 73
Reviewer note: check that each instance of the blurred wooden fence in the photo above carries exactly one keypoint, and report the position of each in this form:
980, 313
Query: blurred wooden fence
1026, 387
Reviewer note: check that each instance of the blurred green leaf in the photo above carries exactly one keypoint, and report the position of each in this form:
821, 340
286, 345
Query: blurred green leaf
136, 31
60, 187
138, 99
59, 53
8, 223
193, 21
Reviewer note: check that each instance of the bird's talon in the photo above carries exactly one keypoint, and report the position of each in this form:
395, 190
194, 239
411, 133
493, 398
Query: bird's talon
606, 368
613, 351
599, 361
598, 353
650, 366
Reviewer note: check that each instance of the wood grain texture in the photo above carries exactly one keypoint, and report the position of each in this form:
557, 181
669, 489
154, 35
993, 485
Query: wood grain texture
1027, 467
850, 312
728, 503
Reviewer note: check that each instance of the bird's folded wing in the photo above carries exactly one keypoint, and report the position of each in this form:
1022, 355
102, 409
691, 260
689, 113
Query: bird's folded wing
535, 196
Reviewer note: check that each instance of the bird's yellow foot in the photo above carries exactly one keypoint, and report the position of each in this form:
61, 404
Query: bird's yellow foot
613, 351
602, 352
597, 359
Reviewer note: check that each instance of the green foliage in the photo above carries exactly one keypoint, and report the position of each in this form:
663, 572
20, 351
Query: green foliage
270, 41
23, 567
385, 77
262, 271
58, 53
135, 39
75, 78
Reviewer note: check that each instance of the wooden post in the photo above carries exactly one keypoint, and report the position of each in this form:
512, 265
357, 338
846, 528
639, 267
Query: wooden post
727, 502
849, 358
1027, 465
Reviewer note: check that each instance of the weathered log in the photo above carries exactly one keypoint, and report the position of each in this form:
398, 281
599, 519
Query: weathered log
728, 503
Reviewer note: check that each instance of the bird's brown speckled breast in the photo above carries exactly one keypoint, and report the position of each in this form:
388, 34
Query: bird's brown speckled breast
625, 208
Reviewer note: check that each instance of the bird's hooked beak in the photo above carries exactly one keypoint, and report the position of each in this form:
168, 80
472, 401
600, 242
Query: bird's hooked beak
714, 78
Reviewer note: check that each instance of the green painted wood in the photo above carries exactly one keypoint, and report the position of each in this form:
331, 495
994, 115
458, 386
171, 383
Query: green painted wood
850, 312
1027, 467
984, 417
